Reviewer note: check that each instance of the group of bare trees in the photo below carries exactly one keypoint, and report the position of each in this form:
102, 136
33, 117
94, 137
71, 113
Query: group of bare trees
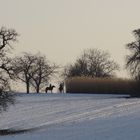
32, 69
93, 63
35, 70
97, 63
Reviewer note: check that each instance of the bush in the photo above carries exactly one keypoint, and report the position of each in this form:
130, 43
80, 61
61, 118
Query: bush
102, 85
6, 99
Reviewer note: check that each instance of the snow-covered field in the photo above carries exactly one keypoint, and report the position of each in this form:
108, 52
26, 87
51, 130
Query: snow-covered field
73, 117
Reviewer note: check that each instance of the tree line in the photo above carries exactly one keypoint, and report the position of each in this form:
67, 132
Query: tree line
35, 70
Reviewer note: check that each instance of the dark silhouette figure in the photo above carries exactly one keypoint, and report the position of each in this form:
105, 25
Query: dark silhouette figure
49, 88
61, 87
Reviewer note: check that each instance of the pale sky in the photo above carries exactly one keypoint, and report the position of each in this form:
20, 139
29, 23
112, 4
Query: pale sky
62, 29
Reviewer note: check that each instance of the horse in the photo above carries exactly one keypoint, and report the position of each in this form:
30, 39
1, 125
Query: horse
49, 88
61, 88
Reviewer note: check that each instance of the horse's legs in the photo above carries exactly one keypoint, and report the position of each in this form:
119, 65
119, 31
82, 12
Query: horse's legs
46, 90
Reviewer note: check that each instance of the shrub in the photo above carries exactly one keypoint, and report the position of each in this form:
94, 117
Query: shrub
6, 99
102, 85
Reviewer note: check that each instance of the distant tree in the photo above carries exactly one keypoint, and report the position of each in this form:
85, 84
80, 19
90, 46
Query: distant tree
23, 67
133, 59
42, 72
93, 63
34, 70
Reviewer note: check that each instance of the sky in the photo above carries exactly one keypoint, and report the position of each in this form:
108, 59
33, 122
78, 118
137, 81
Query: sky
62, 29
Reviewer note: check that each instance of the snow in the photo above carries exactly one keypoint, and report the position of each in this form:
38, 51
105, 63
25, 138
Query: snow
73, 117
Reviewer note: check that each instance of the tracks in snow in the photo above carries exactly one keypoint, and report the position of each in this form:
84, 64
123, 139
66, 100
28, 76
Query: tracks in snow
41, 111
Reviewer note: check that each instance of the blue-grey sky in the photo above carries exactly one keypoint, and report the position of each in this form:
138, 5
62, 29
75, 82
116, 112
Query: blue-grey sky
61, 29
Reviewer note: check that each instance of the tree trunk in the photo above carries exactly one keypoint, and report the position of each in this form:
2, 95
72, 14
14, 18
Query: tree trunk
37, 89
27, 87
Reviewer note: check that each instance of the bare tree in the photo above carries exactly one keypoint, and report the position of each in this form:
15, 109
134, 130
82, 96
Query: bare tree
93, 63
6, 67
23, 68
7, 37
33, 70
133, 59
42, 72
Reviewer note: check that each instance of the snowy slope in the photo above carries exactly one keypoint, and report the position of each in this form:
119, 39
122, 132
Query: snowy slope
73, 117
